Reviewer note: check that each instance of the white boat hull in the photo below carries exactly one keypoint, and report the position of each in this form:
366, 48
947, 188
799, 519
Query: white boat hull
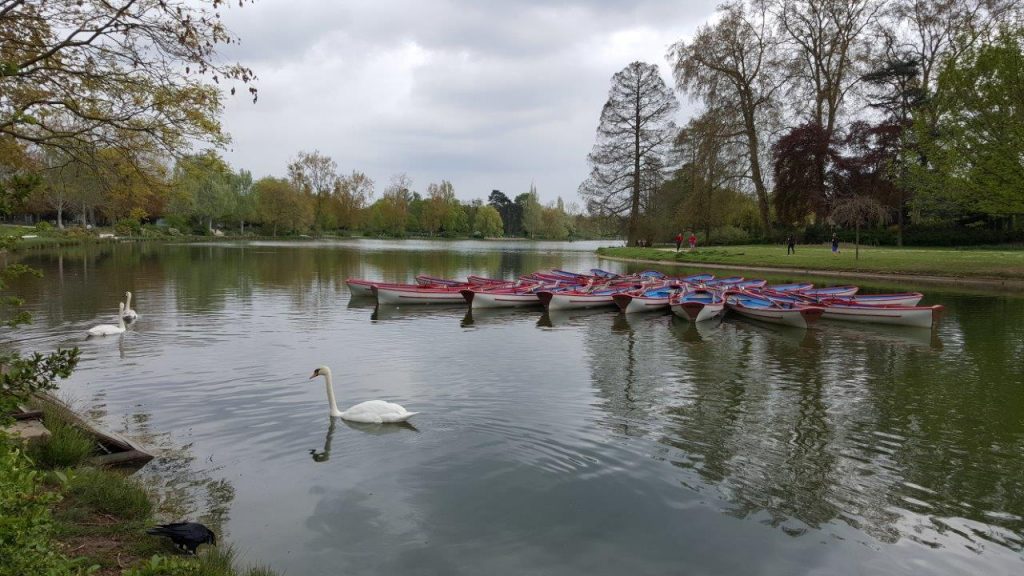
359, 288
886, 300
922, 317
400, 296
568, 301
799, 317
499, 300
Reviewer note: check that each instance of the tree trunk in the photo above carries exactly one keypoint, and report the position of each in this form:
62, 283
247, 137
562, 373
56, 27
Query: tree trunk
754, 150
634, 210
60, 217
899, 221
856, 242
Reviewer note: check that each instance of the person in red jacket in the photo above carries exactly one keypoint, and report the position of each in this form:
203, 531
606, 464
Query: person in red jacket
693, 240
679, 241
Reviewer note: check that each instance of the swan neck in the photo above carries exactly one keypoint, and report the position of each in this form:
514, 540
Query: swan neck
128, 301
120, 319
330, 393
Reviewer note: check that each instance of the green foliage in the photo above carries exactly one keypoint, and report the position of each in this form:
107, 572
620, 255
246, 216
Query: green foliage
110, 493
488, 222
128, 227
67, 446
43, 227
974, 148
24, 376
26, 526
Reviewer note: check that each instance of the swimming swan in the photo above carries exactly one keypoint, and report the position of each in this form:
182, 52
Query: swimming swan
370, 412
129, 315
110, 329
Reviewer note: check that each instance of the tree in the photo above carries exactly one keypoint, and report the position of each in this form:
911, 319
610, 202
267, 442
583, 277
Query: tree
316, 175
831, 49
488, 222
857, 210
132, 76
804, 158
733, 66
976, 151
204, 186
508, 210
281, 205
634, 132
528, 205
243, 199
353, 194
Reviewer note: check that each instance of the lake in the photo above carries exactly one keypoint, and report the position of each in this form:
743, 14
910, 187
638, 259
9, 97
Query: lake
581, 443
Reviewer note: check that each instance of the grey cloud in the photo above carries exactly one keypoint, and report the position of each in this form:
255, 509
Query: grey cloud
487, 95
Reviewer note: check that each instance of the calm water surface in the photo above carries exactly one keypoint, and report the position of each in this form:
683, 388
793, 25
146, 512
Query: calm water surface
585, 443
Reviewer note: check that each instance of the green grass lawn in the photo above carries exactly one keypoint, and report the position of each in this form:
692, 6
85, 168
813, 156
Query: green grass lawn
978, 263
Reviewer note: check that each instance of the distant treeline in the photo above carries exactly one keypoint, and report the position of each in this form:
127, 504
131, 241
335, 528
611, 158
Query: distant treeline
202, 194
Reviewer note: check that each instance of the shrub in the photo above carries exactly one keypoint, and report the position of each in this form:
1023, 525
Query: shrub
43, 226
128, 227
729, 235
110, 492
25, 522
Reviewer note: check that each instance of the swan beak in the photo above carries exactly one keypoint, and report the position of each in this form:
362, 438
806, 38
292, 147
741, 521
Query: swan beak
315, 374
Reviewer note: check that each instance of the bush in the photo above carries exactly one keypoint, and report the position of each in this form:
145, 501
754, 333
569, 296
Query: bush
110, 493
728, 235
66, 447
43, 226
128, 227
25, 523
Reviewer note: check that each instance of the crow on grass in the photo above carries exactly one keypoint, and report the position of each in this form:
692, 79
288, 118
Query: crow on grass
185, 535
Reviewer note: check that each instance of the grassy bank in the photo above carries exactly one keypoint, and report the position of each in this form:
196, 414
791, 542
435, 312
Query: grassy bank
60, 517
969, 263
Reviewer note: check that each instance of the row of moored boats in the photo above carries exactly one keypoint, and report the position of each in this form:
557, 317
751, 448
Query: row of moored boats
696, 298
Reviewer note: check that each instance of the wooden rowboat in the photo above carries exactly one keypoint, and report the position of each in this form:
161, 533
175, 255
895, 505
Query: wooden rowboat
396, 294
773, 311
698, 305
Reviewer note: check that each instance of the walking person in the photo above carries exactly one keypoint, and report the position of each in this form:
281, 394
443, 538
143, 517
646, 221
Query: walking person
679, 241
790, 245
693, 241
835, 244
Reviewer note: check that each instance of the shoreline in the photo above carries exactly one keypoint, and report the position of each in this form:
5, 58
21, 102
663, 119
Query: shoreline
977, 282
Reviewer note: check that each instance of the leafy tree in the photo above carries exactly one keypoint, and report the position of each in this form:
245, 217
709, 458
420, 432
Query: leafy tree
316, 175
803, 160
243, 199
134, 76
975, 150
282, 206
528, 204
508, 210
204, 183
734, 67
488, 222
632, 138
353, 193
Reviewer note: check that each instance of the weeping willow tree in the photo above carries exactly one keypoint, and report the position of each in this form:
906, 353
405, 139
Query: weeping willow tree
857, 211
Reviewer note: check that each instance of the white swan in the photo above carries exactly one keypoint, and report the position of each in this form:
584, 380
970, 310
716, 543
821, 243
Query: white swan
370, 412
129, 315
110, 329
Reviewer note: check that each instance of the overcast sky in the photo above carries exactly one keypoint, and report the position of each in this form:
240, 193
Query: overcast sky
488, 95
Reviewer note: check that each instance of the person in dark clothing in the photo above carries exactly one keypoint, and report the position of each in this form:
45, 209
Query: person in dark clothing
790, 245
679, 241
835, 244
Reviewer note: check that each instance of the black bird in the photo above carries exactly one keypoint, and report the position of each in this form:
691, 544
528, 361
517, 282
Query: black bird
185, 535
